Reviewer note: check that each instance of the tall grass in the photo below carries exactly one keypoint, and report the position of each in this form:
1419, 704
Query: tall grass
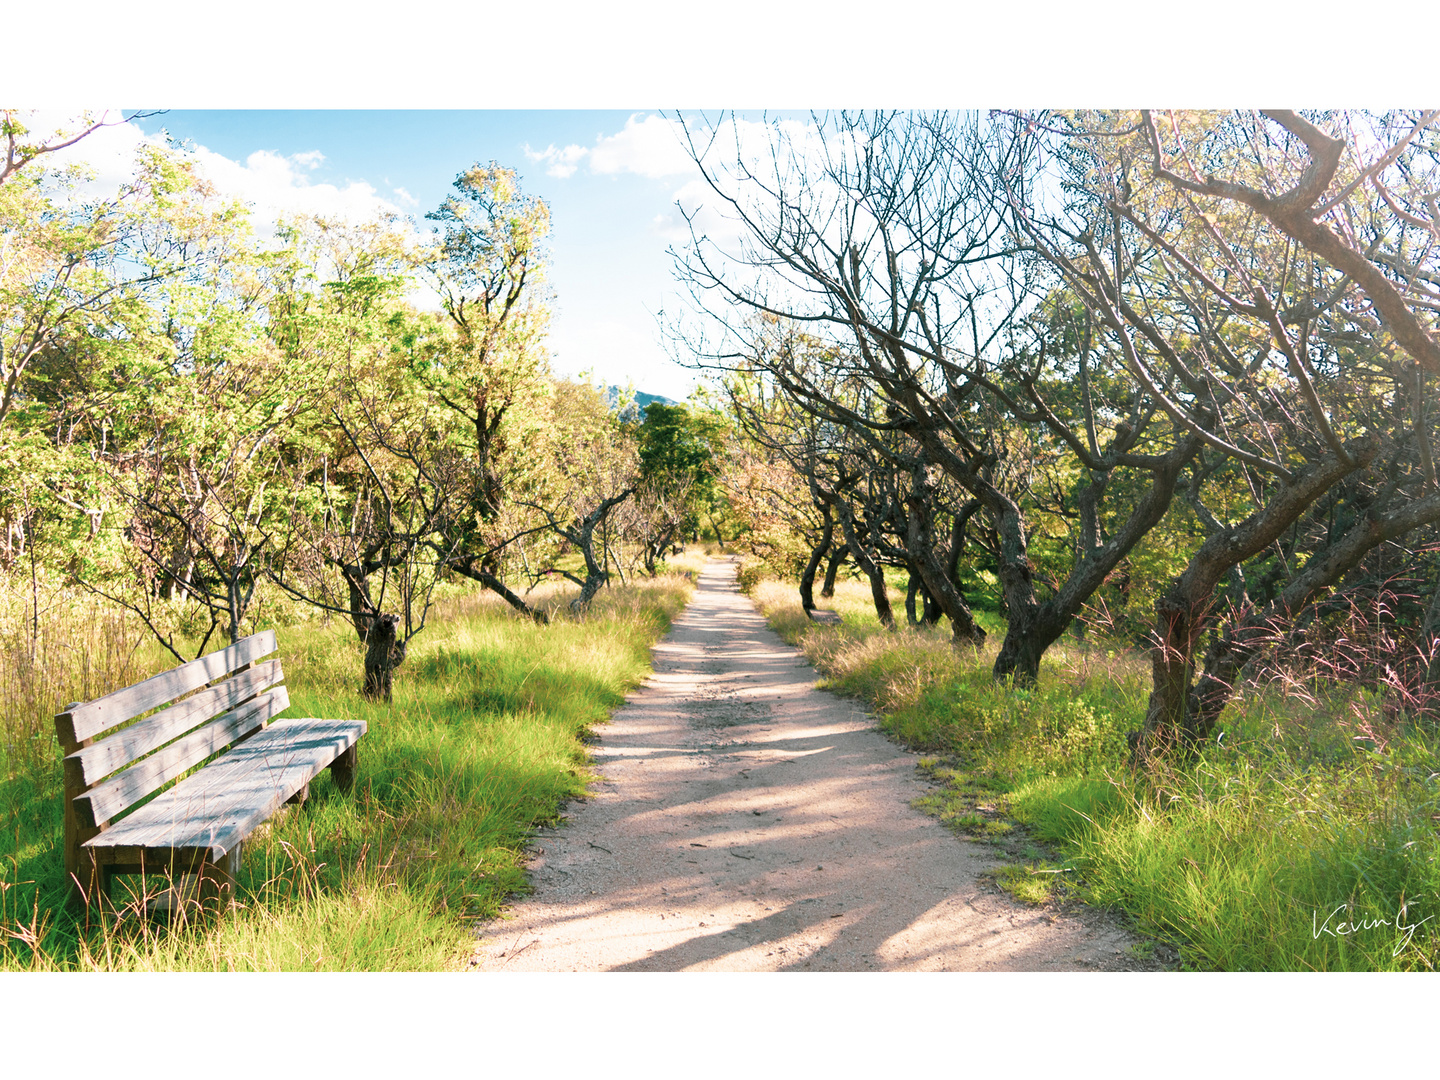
485, 739
1303, 838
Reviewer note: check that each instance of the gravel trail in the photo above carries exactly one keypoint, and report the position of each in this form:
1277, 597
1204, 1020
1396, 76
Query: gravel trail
750, 822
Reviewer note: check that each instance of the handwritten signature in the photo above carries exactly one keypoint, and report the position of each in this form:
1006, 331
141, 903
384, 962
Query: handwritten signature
1344, 928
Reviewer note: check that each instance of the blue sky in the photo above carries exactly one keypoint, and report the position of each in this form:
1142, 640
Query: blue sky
610, 177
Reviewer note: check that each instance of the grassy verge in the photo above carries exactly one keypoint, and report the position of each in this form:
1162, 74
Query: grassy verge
1303, 839
485, 739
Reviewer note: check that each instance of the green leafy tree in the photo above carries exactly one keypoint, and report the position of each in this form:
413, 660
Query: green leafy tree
491, 368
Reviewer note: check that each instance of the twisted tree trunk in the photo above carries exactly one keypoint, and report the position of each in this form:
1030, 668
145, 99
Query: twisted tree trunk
1241, 641
817, 553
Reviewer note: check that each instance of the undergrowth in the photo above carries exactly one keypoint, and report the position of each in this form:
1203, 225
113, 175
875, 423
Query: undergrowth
485, 740
1303, 837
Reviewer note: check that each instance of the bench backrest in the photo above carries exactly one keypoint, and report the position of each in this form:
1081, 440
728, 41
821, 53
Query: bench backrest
108, 771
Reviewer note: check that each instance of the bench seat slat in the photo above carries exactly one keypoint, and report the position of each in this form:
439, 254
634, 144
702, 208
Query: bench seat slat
85, 721
223, 803
105, 800
118, 750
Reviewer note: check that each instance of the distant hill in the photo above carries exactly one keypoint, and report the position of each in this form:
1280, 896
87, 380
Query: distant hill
641, 398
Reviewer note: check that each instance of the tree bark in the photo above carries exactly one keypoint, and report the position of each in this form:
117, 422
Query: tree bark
383, 653
934, 575
583, 537
839, 556
718, 538
1034, 627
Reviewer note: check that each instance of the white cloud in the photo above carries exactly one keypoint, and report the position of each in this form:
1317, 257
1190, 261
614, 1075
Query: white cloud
652, 147
563, 163
406, 199
656, 147
310, 159
647, 146
275, 185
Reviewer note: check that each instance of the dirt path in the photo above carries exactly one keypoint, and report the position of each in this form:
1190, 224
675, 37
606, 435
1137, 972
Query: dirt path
749, 822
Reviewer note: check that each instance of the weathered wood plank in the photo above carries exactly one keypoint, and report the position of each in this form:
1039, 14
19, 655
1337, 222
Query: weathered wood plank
223, 803
156, 861
85, 721
98, 761
125, 789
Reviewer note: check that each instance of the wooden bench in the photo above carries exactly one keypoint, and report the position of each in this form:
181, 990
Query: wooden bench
195, 827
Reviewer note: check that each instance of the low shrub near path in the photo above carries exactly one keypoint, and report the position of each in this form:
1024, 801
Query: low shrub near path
1304, 838
485, 740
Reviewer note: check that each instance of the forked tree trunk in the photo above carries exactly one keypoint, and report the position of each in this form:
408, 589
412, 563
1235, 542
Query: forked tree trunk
583, 537
1034, 627
718, 538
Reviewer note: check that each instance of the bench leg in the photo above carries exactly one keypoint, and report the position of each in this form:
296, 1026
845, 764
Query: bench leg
342, 769
217, 878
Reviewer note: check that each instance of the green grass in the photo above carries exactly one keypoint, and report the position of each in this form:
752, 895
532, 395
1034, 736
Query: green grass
485, 740
1313, 809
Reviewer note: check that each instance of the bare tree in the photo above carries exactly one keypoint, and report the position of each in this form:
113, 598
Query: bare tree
891, 233
1253, 326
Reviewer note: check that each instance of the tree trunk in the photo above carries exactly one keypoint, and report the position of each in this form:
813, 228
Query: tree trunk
930, 614
1088, 502
718, 538
934, 575
1241, 641
362, 607
807, 576
596, 574
1182, 613
839, 556
383, 653
596, 570
869, 567
1034, 627
911, 588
